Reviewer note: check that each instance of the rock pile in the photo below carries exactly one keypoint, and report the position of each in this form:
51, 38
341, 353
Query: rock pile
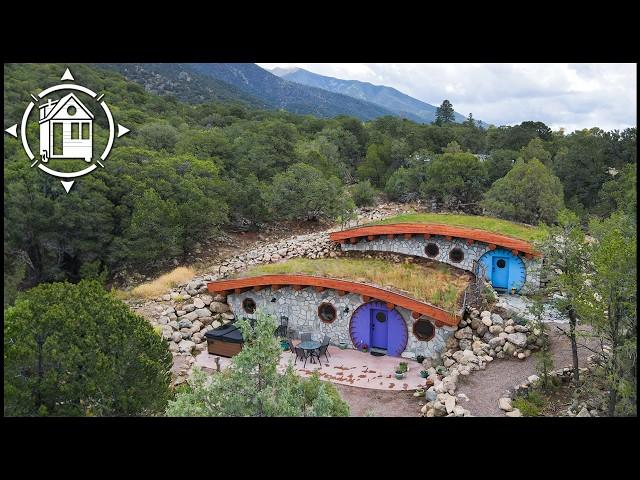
184, 323
479, 339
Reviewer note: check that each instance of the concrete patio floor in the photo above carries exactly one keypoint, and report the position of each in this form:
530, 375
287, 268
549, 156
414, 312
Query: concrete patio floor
346, 367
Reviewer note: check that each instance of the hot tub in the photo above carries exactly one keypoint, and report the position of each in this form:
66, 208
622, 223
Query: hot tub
225, 341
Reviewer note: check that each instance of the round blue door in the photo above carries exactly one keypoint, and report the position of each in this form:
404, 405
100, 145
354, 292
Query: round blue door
503, 269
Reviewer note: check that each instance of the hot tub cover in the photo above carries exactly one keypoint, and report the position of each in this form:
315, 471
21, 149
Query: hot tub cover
229, 333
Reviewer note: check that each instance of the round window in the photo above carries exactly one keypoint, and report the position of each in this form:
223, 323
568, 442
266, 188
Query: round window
249, 305
381, 317
456, 255
71, 110
501, 263
423, 329
327, 312
431, 250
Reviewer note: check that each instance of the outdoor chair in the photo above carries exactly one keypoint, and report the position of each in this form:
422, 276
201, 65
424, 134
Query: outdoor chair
305, 337
322, 351
291, 347
326, 341
301, 354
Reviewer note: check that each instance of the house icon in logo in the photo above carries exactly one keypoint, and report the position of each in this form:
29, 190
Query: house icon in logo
66, 129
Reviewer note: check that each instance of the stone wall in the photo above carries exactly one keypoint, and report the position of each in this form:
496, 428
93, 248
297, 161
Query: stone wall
301, 307
416, 246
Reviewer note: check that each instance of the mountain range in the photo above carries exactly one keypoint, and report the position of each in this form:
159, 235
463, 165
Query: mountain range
295, 90
387, 97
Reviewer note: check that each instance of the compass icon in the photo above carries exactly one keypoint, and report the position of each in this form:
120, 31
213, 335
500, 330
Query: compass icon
66, 130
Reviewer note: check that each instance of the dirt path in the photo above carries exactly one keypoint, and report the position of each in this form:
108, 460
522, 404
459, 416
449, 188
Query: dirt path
485, 387
378, 403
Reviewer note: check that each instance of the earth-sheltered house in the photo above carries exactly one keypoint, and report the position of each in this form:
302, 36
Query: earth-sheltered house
408, 309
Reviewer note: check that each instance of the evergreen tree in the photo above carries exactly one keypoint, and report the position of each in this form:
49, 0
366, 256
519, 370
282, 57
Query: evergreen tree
445, 113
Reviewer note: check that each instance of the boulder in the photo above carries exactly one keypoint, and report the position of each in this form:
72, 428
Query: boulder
185, 323
206, 299
163, 320
464, 333
186, 346
430, 395
496, 319
514, 413
190, 317
475, 323
174, 325
521, 328
228, 316
482, 330
487, 321
206, 320
449, 403
219, 307
509, 349
173, 347
509, 329
198, 303
176, 337
220, 298
533, 378
202, 312
504, 403
460, 411
190, 307
495, 329
518, 339
497, 342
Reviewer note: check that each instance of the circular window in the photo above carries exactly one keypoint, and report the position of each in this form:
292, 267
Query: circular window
431, 250
501, 263
249, 305
327, 312
456, 255
71, 110
423, 329
381, 317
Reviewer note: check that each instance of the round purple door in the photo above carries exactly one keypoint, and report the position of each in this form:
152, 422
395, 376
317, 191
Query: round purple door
377, 326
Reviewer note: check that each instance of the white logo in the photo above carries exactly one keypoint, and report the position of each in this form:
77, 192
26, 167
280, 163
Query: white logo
66, 130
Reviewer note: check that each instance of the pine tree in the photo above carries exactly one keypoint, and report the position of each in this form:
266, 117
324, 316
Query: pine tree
445, 113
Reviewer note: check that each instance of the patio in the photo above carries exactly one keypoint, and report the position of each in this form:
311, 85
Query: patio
345, 367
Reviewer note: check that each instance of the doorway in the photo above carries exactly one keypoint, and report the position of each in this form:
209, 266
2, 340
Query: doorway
379, 328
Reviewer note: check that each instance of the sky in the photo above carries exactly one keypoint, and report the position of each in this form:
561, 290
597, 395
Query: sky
562, 95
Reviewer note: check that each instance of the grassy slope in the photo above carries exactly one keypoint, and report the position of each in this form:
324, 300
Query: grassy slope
437, 284
495, 225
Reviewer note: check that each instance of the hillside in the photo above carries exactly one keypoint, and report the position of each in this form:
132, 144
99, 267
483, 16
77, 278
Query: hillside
181, 81
387, 97
283, 94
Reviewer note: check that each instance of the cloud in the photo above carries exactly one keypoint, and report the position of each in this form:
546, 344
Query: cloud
573, 96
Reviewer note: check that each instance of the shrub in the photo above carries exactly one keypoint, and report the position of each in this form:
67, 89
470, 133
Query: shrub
363, 194
76, 350
527, 408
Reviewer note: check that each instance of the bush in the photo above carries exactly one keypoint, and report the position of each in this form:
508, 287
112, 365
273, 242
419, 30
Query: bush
75, 350
363, 194
531, 405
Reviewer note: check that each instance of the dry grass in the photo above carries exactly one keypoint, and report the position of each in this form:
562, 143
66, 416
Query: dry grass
437, 284
490, 224
164, 283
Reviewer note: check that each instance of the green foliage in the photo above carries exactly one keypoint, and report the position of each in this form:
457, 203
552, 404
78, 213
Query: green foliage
445, 113
619, 193
252, 387
363, 194
375, 166
529, 193
531, 405
75, 350
499, 163
303, 193
454, 179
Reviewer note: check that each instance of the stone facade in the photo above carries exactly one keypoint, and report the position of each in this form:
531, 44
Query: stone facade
301, 307
416, 246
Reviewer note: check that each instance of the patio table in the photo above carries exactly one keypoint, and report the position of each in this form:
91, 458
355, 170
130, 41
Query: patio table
308, 346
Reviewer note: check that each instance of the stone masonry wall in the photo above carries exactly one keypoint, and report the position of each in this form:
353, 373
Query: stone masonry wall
416, 245
301, 307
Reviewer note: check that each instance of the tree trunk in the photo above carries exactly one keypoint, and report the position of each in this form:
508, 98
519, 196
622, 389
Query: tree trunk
574, 346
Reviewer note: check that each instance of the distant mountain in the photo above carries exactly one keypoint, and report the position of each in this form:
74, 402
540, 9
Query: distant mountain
291, 96
181, 81
387, 97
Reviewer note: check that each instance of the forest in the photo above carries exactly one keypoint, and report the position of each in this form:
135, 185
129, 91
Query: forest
185, 172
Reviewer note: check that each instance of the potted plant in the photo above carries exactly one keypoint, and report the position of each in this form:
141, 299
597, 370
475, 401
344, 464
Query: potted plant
342, 345
364, 347
424, 373
420, 359
404, 366
399, 374
284, 344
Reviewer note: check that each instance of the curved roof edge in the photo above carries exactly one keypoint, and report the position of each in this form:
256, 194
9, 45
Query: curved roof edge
469, 234
440, 315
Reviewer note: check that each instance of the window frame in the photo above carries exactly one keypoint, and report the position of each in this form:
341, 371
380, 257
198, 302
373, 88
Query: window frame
419, 336
332, 307
247, 300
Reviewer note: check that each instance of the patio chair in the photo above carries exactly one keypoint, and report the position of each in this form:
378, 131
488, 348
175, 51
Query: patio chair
326, 341
291, 347
301, 354
305, 337
322, 351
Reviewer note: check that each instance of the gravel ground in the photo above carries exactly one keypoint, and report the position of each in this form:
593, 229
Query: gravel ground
485, 387
378, 403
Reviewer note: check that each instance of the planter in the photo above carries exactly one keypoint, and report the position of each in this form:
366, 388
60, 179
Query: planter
424, 373
420, 359
342, 345
284, 345
399, 376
